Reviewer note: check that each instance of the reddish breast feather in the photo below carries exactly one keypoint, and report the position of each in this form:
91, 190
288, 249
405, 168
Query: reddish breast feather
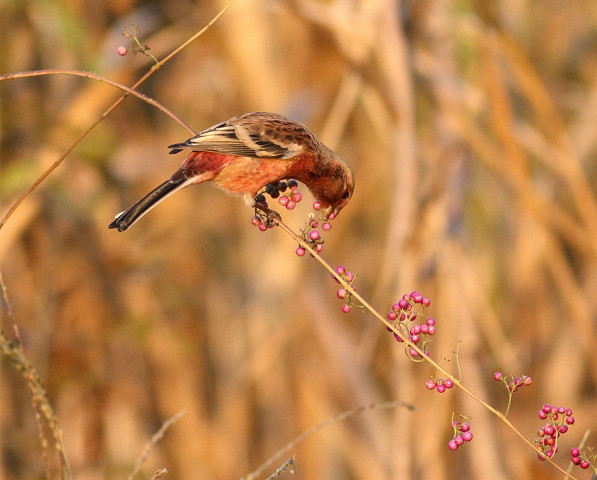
249, 175
198, 163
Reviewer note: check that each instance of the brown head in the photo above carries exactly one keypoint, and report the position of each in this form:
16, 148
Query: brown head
331, 181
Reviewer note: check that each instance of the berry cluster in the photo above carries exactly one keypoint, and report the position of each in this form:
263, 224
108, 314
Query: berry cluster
547, 436
462, 434
288, 196
515, 383
440, 384
342, 293
583, 459
312, 237
404, 312
286, 192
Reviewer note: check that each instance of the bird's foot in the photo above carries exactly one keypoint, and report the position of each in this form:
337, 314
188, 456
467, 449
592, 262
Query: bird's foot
269, 218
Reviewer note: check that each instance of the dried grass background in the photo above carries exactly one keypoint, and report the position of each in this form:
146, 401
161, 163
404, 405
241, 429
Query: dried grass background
470, 127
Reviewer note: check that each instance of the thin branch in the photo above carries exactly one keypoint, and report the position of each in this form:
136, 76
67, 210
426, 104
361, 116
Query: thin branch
407, 342
156, 437
109, 110
335, 418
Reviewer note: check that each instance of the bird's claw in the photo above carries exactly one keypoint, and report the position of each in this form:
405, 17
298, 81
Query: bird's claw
270, 218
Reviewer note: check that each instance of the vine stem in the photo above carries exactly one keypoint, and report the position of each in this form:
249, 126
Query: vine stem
128, 91
428, 359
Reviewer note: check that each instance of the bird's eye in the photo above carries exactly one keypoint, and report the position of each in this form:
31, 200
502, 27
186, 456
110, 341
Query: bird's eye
345, 194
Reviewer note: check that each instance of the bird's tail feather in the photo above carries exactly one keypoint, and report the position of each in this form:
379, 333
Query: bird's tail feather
125, 219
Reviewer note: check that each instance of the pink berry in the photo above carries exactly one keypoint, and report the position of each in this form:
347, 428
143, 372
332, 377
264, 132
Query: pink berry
341, 293
415, 338
459, 440
449, 384
424, 328
262, 227
431, 330
441, 388
300, 251
313, 234
417, 297
326, 226
297, 197
429, 385
568, 412
413, 352
452, 445
430, 321
425, 302
546, 408
527, 380
542, 415
349, 277
465, 426
575, 460
122, 51
331, 216
346, 308
340, 270
256, 220
575, 452
497, 376
584, 464
319, 247
392, 316
290, 205
283, 200
316, 205
467, 436
570, 420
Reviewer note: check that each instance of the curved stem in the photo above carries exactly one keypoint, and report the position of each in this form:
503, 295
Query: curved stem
128, 91
405, 339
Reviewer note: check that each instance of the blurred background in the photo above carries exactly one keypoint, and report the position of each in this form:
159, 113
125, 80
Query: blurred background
470, 127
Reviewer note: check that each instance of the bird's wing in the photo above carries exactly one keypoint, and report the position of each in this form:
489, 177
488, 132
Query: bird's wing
258, 135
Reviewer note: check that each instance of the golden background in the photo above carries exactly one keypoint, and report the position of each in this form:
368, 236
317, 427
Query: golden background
470, 127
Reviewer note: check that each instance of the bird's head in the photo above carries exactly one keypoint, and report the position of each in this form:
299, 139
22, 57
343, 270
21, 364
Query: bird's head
337, 188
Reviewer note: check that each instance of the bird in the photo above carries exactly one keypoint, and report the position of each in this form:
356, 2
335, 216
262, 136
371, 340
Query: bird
247, 152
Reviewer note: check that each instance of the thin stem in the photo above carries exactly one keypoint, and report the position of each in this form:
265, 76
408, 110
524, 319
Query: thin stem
405, 339
107, 112
93, 76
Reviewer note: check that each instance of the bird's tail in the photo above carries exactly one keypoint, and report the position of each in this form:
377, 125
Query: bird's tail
125, 219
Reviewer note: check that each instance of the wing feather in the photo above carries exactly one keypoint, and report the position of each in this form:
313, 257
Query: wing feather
256, 135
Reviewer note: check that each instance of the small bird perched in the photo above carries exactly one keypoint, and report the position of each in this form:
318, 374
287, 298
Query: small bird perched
245, 153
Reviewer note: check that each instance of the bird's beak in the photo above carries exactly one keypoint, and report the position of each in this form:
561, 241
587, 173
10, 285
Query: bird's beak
331, 212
